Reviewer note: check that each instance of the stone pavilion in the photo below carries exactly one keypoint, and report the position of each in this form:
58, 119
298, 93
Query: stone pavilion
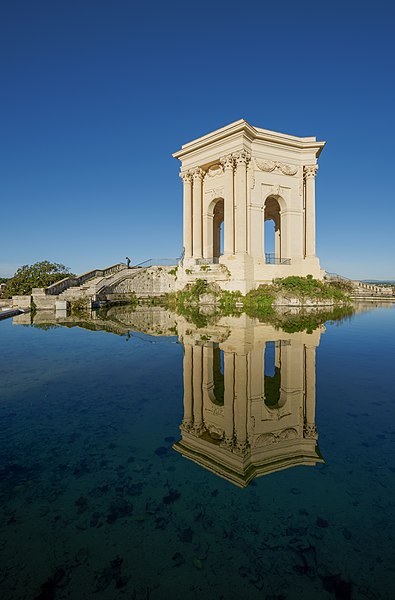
235, 179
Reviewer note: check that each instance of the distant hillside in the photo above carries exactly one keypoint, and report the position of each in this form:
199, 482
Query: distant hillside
379, 281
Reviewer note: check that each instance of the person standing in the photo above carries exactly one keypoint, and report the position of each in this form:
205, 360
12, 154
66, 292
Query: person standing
128, 262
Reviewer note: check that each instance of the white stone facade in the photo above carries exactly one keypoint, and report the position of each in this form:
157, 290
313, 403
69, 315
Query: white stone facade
242, 175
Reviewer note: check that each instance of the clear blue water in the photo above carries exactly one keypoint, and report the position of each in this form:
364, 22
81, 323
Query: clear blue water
96, 503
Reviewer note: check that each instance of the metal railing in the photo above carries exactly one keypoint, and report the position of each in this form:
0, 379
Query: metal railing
271, 259
336, 277
158, 262
73, 281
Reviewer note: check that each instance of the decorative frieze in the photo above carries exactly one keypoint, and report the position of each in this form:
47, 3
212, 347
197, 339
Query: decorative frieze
215, 170
274, 165
267, 439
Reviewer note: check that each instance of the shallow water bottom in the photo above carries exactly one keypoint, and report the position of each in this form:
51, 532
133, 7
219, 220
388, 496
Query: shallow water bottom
96, 503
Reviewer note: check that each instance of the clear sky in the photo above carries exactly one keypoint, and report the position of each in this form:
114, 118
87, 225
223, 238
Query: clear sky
96, 95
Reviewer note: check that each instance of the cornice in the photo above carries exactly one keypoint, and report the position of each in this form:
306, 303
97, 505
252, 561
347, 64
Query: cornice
252, 134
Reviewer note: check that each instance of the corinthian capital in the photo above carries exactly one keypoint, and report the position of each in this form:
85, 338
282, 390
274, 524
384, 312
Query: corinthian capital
242, 157
197, 173
310, 171
186, 177
228, 162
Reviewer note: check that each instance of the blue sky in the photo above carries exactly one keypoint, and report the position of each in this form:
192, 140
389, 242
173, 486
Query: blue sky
95, 96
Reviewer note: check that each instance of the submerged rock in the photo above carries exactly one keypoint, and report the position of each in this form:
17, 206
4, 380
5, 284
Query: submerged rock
338, 586
322, 522
178, 559
197, 563
171, 497
186, 535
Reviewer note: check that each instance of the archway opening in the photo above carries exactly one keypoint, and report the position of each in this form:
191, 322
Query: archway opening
272, 375
272, 231
218, 376
218, 229
269, 237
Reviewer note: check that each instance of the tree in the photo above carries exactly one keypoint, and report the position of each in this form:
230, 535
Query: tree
41, 274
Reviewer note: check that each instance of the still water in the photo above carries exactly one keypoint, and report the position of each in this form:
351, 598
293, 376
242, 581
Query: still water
144, 458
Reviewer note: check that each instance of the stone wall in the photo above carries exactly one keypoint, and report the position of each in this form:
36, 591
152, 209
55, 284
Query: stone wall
42, 300
21, 302
151, 282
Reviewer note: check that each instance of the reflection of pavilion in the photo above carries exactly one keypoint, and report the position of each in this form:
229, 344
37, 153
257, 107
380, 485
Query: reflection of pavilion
249, 401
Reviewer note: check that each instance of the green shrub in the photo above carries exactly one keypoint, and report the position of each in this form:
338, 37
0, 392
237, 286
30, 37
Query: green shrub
79, 305
308, 287
39, 275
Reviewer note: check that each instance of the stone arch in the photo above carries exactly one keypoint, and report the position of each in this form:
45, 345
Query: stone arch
215, 217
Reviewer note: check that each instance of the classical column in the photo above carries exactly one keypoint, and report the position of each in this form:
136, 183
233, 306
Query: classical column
309, 174
229, 229
208, 376
187, 180
256, 371
188, 394
241, 159
198, 175
229, 383
277, 242
208, 221
241, 401
197, 389
309, 425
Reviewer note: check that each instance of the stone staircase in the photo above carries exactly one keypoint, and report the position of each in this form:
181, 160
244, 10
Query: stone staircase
94, 286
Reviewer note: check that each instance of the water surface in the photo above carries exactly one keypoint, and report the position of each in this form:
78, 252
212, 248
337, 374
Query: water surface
159, 460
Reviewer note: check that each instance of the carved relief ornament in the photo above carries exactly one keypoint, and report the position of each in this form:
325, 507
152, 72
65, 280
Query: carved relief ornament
275, 190
197, 173
242, 157
215, 170
251, 175
267, 439
215, 193
274, 165
310, 431
186, 177
227, 162
310, 171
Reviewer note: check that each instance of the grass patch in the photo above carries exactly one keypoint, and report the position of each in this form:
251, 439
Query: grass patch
308, 287
258, 303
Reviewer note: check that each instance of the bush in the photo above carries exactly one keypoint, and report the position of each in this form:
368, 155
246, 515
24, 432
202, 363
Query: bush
40, 274
303, 287
79, 306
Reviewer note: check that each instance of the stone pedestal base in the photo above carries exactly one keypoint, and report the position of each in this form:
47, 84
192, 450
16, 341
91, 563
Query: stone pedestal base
242, 272
241, 268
